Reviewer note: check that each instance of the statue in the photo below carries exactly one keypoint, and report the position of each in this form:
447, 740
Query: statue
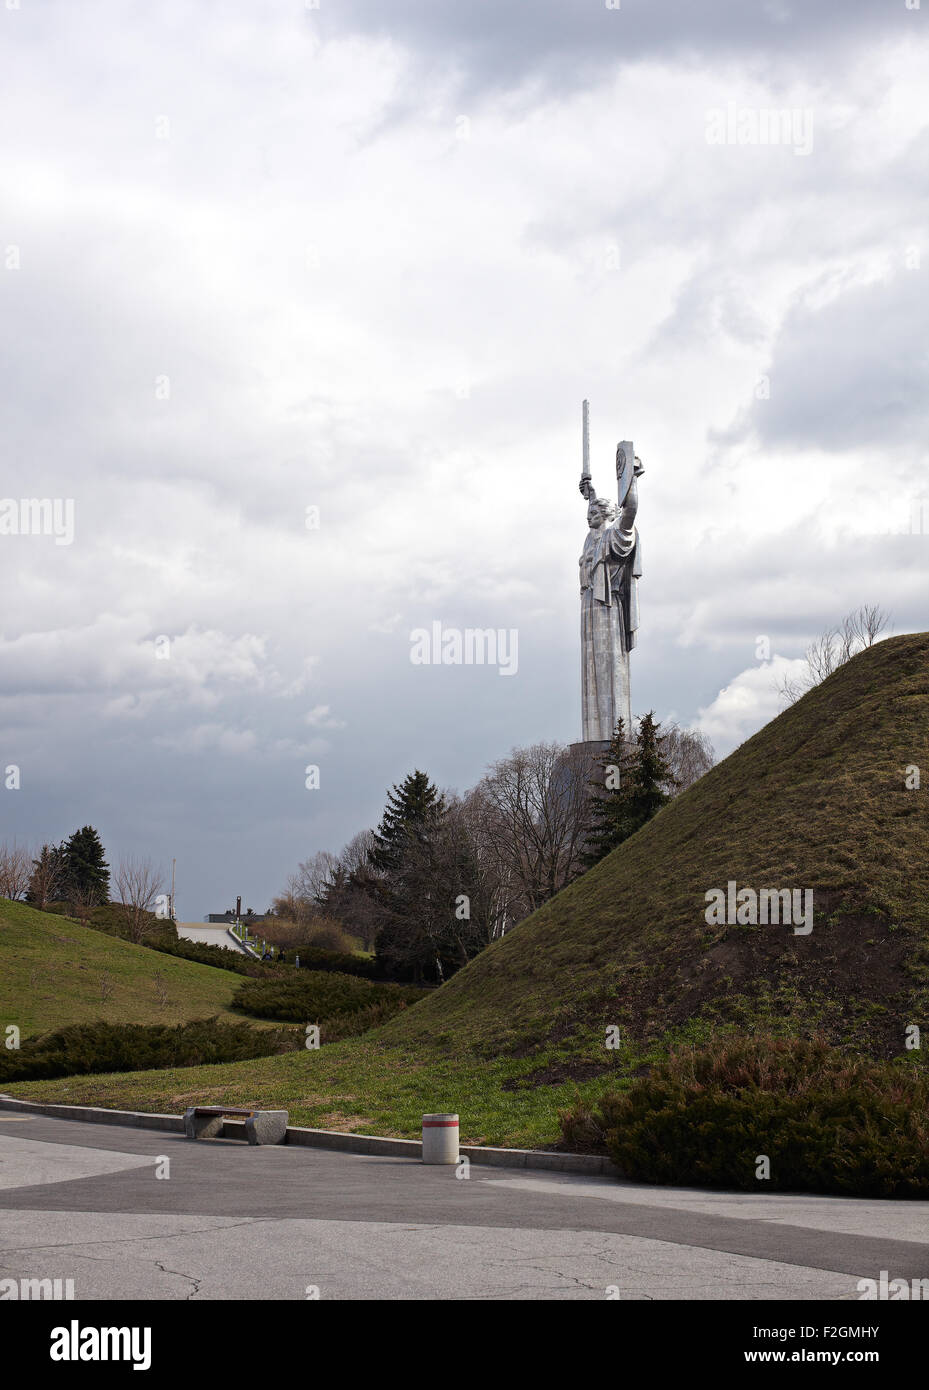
610, 566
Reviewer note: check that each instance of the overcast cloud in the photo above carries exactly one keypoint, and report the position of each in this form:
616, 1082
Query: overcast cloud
369, 258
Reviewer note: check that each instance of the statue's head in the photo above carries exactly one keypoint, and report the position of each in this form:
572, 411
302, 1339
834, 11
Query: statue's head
600, 511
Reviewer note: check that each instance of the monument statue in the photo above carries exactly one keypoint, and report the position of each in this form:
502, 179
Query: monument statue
610, 565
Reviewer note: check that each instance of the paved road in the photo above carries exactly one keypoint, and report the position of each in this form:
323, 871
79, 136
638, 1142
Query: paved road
209, 936
84, 1202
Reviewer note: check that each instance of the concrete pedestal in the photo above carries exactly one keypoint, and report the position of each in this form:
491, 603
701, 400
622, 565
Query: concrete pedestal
593, 746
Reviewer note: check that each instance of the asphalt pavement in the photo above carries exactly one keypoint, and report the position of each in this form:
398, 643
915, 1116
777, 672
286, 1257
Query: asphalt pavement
130, 1213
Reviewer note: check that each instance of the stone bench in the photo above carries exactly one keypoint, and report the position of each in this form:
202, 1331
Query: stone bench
261, 1126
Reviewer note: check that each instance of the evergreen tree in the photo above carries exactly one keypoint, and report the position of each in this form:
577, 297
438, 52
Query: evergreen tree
87, 874
651, 775
406, 856
413, 808
632, 788
609, 804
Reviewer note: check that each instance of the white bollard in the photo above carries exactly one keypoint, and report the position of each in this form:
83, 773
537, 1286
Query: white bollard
440, 1139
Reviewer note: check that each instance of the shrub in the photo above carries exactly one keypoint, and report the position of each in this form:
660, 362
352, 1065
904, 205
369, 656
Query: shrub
317, 932
80, 1048
826, 1122
222, 957
350, 1025
326, 998
583, 1129
110, 918
328, 935
313, 958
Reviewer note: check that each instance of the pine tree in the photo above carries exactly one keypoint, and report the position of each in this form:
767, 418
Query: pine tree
405, 856
412, 809
652, 774
609, 808
632, 789
87, 874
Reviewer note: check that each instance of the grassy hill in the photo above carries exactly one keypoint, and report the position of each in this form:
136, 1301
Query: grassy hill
54, 972
816, 800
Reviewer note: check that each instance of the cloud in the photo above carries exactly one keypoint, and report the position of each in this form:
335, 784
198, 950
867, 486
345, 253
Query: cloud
319, 717
849, 372
204, 738
750, 700
195, 667
366, 306
494, 45
386, 626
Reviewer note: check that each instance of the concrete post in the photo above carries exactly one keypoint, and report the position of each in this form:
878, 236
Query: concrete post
440, 1139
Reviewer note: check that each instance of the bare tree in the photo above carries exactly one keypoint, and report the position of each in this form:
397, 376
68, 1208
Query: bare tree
863, 627
833, 648
689, 753
15, 871
534, 820
331, 892
138, 885
47, 876
351, 896
82, 899
496, 895
295, 903
356, 856
314, 876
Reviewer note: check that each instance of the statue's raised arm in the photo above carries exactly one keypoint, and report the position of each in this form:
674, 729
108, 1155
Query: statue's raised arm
586, 486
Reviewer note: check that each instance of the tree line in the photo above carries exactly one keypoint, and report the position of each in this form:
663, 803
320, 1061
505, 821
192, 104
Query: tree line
444, 875
440, 877
75, 873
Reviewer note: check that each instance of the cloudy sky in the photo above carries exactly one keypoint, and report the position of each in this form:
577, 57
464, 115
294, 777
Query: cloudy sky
265, 264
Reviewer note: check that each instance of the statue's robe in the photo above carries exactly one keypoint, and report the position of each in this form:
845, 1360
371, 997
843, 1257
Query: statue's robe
610, 567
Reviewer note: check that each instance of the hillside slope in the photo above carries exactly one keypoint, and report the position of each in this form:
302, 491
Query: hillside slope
52, 972
816, 799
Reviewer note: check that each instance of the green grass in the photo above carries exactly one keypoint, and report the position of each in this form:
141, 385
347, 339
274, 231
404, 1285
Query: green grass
367, 1086
815, 800
360, 1086
52, 972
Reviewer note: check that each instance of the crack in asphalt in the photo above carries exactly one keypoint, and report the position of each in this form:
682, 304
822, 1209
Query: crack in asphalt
191, 1278
131, 1240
